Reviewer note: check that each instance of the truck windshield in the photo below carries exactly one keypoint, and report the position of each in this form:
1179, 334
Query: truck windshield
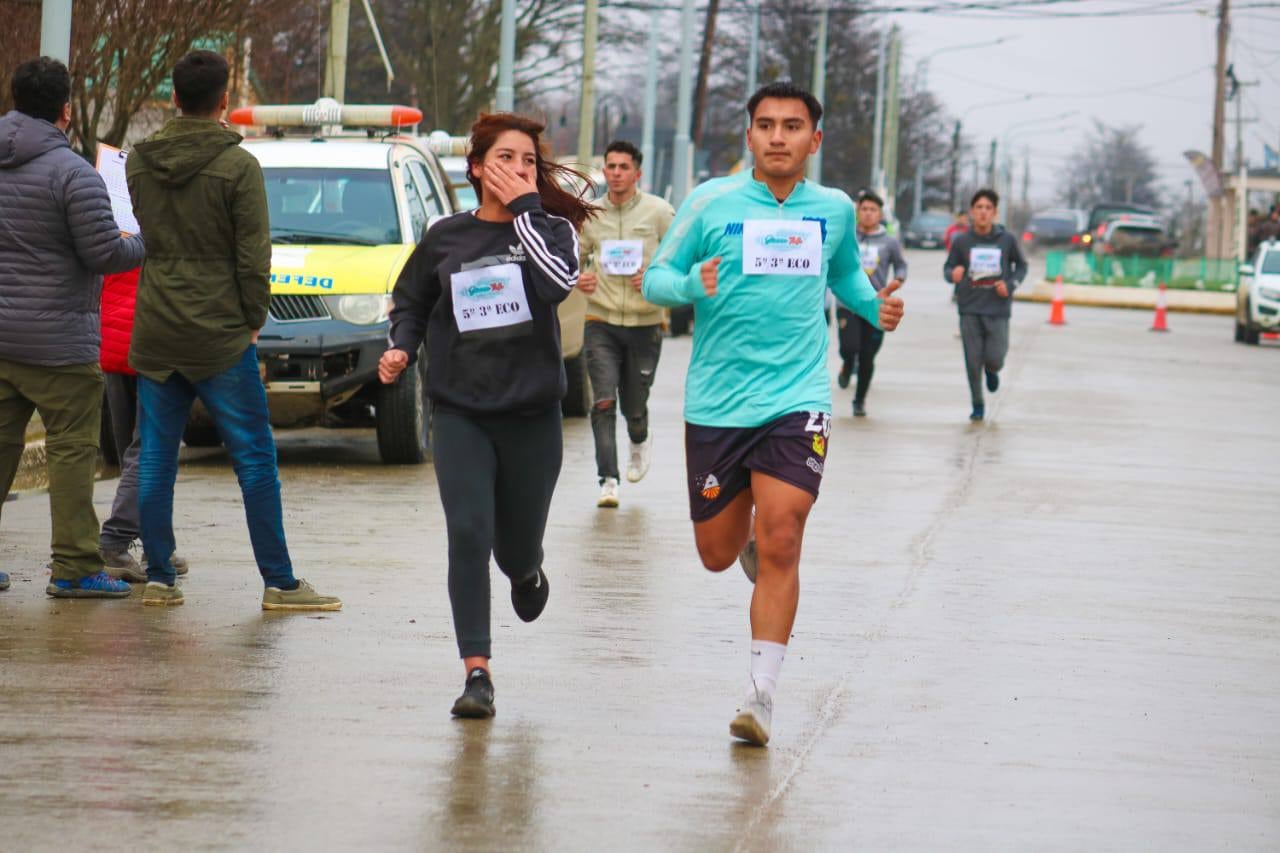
351, 206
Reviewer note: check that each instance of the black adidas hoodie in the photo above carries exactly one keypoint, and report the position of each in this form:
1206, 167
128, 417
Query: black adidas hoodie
484, 295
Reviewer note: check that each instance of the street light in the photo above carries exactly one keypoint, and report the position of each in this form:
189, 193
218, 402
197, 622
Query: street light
922, 69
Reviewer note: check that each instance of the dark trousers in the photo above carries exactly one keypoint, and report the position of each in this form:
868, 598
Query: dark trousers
621, 362
496, 475
859, 343
986, 343
123, 526
69, 400
237, 402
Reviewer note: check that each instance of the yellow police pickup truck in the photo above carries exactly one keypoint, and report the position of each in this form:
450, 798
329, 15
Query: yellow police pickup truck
348, 200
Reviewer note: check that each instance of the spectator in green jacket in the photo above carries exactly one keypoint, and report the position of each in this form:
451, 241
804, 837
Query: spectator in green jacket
202, 299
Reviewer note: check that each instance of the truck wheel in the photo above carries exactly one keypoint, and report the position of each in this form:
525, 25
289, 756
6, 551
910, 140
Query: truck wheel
201, 435
404, 417
1239, 331
1251, 334
577, 400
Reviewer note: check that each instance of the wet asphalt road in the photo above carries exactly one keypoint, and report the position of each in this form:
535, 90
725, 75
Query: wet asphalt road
1058, 630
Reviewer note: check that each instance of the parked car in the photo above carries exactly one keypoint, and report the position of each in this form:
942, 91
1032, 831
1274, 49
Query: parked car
1101, 214
456, 169
1133, 235
1258, 296
926, 231
1050, 228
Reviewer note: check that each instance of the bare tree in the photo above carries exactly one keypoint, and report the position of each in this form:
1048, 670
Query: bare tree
19, 41
1112, 164
123, 51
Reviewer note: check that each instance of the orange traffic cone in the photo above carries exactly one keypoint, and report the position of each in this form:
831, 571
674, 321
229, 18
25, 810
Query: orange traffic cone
1161, 323
1058, 310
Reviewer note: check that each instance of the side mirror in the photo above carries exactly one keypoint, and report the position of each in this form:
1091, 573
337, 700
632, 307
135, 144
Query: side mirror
1246, 269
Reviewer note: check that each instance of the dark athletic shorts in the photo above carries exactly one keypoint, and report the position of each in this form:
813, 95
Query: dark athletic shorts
720, 460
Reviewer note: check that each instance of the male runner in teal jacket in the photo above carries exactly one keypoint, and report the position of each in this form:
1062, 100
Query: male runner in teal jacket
755, 253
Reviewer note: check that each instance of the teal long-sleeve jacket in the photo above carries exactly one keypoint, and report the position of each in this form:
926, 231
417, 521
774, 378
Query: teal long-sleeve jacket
760, 344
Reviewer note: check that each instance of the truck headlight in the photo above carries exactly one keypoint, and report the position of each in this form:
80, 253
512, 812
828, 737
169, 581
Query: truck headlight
360, 309
1269, 293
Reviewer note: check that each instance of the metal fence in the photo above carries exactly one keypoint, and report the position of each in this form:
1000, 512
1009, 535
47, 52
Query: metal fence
1117, 271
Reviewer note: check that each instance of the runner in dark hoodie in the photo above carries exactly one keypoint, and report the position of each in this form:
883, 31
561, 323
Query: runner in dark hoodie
482, 288
986, 265
883, 263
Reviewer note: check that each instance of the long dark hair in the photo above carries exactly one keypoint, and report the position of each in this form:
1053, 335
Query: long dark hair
552, 177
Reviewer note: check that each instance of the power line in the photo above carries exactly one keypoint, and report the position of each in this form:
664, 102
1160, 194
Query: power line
983, 9
1145, 88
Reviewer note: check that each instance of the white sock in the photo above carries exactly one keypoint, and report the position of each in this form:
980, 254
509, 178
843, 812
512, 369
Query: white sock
766, 666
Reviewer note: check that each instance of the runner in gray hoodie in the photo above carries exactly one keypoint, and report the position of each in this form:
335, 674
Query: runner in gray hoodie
986, 265
883, 262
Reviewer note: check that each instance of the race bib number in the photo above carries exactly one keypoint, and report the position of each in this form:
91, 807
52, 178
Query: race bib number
870, 258
781, 247
622, 257
984, 263
489, 297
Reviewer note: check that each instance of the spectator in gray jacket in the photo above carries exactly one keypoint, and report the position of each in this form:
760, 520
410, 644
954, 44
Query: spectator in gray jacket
57, 236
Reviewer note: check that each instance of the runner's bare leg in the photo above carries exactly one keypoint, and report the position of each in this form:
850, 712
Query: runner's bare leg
781, 512
722, 538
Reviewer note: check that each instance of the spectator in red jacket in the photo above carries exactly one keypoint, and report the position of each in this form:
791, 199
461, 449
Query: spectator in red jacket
121, 531
958, 226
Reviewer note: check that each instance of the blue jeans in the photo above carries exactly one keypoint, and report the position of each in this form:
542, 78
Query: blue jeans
237, 402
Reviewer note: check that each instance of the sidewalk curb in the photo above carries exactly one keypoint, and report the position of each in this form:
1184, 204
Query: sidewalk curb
1142, 298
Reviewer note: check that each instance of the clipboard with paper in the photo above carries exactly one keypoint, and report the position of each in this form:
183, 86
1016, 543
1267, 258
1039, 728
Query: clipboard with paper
110, 165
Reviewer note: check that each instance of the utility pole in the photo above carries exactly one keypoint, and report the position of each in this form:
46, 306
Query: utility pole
819, 83
753, 63
335, 66
650, 104
704, 73
1026, 176
890, 172
1242, 170
955, 167
681, 150
1216, 246
55, 29
877, 125
587, 105
991, 166
506, 96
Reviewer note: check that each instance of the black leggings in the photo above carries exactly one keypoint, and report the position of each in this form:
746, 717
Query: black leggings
496, 475
859, 343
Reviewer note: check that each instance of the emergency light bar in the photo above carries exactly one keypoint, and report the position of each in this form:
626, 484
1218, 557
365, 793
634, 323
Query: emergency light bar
327, 112
445, 145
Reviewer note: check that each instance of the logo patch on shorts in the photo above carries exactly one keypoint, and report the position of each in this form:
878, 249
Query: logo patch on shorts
710, 487
814, 465
820, 446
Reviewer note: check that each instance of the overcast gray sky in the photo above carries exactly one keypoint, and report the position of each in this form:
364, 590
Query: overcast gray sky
1155, 71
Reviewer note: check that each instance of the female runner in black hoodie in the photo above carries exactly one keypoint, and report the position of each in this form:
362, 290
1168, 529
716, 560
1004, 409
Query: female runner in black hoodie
482, 287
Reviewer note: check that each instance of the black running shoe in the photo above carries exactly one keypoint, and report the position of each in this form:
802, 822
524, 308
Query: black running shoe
530, 598
476, 701
846, 372
859, 409
993, 381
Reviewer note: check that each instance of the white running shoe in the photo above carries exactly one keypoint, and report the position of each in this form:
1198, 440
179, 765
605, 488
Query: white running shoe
753, 720
608, 493
639, 465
